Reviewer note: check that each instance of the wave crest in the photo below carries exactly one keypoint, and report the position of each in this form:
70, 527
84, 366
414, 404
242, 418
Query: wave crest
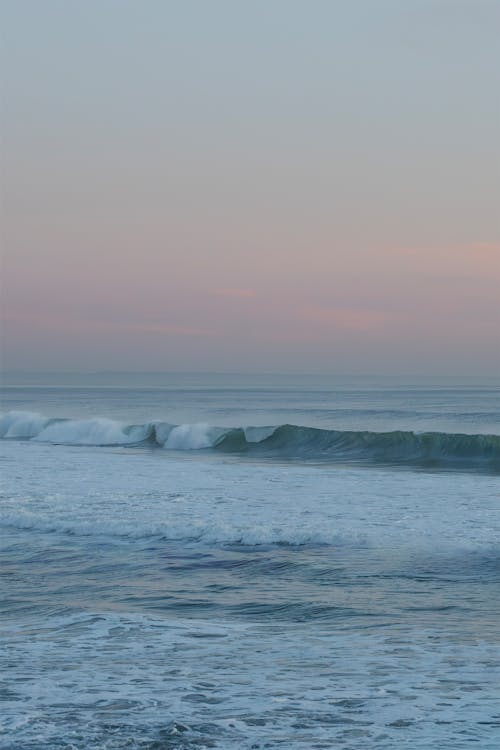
282, 442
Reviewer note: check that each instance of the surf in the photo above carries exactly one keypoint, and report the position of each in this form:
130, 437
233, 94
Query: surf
285, 442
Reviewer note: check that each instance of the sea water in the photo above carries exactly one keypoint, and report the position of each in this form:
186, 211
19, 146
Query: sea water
249, 562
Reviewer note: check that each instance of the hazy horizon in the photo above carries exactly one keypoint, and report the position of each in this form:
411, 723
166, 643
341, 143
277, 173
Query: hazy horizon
160, 378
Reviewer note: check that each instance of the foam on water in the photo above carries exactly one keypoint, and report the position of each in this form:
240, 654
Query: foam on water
281, 442
171, 585
95, 491
22, 424
107, 681
190, 437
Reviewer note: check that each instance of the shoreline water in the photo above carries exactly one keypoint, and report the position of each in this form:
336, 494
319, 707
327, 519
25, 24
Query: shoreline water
178, 599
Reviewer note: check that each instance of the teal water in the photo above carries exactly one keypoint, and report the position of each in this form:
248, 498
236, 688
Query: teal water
187, 594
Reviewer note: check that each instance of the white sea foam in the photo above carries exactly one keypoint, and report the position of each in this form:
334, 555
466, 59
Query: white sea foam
191, 437
97, 431
289, 442
22, 424
195, 683
162, 431
200, 530
148, 606
113, 492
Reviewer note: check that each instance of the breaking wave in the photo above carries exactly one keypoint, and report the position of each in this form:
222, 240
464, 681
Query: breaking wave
282, 442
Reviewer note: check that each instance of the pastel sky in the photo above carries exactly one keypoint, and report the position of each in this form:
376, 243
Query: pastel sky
274, 185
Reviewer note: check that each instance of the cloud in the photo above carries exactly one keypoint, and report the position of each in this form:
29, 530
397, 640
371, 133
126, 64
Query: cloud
237, 292
348, 318
77, 325
471, 260
167, 329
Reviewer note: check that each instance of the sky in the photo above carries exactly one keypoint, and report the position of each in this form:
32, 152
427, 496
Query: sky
265, 186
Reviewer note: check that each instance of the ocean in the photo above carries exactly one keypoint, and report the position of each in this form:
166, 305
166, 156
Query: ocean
237, 562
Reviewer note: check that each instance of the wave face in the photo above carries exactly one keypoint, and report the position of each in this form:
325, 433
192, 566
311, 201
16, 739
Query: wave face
282, 442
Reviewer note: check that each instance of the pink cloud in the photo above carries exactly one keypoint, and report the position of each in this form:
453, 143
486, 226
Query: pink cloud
347, 318
75, 325
165, 328
472, 260
241, 293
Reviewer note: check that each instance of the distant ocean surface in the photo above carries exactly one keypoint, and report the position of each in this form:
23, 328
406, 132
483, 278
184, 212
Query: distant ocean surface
241, 562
